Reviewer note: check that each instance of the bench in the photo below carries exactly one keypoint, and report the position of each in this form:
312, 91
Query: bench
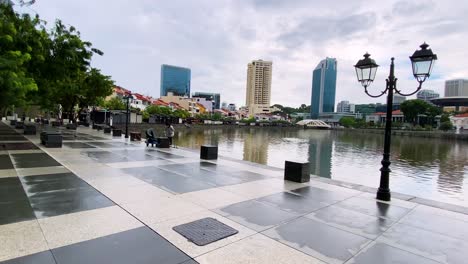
209, 152
12, 122
29, 129
19, 125
135, 136
116, 132
51, 139
297, 171
107, 130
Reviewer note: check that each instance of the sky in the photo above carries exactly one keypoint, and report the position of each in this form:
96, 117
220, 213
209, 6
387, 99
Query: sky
216, 39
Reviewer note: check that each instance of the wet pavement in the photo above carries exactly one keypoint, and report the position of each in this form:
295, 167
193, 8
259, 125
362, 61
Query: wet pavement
100, 199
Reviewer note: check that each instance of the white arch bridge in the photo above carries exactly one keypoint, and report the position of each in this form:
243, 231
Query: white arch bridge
313, 123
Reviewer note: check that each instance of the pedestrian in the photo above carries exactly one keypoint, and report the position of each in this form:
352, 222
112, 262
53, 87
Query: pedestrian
169, 132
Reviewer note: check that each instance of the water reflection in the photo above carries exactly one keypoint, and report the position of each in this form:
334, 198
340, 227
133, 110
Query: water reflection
429, 168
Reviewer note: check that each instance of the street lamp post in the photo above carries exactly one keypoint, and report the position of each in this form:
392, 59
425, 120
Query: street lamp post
422, 63
128, 97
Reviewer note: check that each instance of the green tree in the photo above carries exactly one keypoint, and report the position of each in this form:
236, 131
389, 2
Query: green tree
22, 40
216, 117
444, 118
114, 103
447, 125
347, 121
181, 113
159, 110
66, 77
412, 108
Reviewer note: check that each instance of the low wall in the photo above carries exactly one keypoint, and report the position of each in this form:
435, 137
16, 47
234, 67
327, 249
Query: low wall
410, 133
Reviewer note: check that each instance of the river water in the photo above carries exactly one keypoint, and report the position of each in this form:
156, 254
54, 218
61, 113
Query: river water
429, 168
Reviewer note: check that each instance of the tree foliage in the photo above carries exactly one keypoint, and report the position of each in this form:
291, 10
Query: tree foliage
412, 108
446, 125
48, 68
21, 48
347, 121
114, 103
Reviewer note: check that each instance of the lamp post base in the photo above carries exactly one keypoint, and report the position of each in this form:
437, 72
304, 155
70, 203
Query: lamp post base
383, 195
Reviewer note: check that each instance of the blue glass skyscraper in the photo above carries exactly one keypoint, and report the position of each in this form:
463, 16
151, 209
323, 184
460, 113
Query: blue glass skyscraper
323, 87
175, 80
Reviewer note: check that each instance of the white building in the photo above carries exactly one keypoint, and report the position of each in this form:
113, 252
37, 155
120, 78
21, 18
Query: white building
345, 107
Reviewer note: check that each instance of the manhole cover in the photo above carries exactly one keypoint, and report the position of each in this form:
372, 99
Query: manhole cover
205, 231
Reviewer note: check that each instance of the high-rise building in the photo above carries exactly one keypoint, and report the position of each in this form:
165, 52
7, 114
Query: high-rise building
232, 107
345, 107
175, 80
215, 97
398, 99
323, 87
427, 95
258, 84
458, 87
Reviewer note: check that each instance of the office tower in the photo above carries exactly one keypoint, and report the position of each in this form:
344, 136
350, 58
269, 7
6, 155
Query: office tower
398, 99
258, 83
427, 95
345, 107
215, 97
323, 87
458, 87
175, 80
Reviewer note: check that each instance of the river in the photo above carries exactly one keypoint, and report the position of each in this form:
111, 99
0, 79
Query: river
434, 169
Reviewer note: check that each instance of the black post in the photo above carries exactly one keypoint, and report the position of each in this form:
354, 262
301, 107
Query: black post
384, 190
126, 119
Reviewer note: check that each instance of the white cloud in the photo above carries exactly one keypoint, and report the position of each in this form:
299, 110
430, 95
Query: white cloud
217, 38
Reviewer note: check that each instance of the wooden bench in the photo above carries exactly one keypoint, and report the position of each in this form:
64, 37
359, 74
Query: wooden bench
297, 171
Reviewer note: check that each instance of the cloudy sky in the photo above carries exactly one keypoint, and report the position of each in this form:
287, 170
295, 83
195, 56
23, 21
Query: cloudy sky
217, 38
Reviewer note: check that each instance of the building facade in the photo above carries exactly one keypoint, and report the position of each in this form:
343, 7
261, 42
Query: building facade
398, 99
458, 87
175, 80
323, 87
214, 97
258, 84
427, 95
345, 107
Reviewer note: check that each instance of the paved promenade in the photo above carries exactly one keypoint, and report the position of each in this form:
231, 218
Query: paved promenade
100, 199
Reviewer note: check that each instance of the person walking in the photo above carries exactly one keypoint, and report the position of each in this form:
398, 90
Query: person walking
169, 132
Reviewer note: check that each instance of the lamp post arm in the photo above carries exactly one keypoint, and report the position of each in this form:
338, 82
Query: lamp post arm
375, 96
417, 90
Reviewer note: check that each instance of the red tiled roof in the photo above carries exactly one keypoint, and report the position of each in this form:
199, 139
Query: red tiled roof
160, 103
394, 112
121, 90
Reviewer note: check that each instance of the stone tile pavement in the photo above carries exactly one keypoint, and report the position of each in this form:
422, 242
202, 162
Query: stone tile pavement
100, 199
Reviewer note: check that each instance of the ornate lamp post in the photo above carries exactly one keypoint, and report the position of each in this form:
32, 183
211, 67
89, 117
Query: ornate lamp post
422, 62
128, 97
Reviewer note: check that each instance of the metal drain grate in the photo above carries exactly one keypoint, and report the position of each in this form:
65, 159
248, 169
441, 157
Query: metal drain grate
205, 231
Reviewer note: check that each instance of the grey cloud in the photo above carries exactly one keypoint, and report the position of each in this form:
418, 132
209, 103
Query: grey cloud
410, 8
324, 29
